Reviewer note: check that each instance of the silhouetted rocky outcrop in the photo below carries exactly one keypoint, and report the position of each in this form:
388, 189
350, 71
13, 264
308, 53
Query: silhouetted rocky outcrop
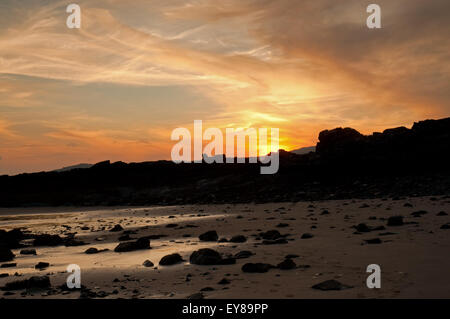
346, 164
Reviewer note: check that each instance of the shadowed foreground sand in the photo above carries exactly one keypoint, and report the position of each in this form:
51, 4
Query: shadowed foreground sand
414, 257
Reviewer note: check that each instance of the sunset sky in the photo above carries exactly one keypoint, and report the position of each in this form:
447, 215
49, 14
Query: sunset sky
116, 88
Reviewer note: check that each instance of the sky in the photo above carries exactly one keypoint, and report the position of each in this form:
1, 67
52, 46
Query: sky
116, 88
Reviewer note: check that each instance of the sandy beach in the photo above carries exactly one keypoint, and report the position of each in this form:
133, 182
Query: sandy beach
413, 257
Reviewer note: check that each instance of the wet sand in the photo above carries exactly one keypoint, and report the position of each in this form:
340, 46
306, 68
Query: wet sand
414, 258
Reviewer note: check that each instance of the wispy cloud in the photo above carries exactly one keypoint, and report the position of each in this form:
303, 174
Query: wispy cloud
300, 65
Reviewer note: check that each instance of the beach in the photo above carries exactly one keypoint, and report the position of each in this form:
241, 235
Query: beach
325, 240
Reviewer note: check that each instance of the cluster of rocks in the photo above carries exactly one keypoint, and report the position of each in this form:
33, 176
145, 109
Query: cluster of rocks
35, 282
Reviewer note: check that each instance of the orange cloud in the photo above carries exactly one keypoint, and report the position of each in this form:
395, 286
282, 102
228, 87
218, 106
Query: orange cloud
302, 66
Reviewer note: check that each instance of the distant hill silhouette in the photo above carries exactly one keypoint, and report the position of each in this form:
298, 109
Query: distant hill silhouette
69, 168
304, 150
346, 164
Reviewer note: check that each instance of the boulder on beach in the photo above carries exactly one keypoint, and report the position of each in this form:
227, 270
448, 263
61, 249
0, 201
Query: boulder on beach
209, 236
141, 243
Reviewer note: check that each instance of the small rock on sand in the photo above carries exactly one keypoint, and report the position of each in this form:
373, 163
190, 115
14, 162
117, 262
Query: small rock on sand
224, 281
148, 263
41, 265
91, 250
171, 259
116, 228
287, 264
28, 251
270, 235
373, 241
256, 268
238, 239
395, 221
331, 285
243, 254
